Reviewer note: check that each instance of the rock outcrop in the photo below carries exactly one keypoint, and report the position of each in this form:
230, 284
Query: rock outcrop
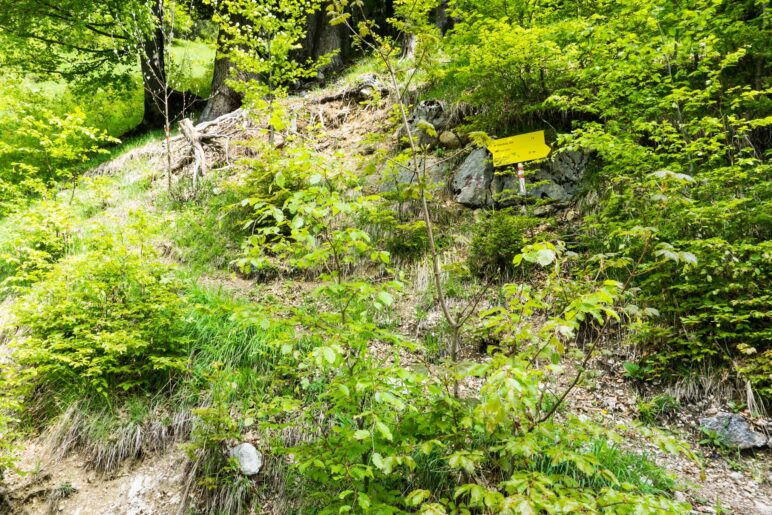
471, 182
734, 431
476, 184
431, 112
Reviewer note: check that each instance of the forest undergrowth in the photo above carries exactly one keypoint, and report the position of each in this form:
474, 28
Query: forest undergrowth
316, 293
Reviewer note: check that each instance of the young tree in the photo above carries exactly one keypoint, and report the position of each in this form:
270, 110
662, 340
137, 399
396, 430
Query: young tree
161, 98
262, 41
321, 39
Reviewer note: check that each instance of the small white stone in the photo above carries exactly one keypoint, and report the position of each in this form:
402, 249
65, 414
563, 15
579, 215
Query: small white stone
250, 459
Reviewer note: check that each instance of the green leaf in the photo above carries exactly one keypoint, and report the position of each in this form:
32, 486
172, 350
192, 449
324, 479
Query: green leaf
416, 497
339, 19
364, 501
545, 257
378, 461
361, 434
385, 298
384, 430
329, 355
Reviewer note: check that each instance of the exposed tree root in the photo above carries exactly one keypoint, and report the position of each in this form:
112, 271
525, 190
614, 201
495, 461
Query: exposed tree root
365, 89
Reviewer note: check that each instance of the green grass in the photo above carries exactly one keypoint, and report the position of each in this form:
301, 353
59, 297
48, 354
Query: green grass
219, 338
365, 65
193, 67
119, 109
126, 144
206, 233
627, 467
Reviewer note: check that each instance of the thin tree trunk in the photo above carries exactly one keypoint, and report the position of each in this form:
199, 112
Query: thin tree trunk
441, 18
162, 104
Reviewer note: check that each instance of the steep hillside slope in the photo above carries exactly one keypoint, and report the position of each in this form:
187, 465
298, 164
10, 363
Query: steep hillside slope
261, 365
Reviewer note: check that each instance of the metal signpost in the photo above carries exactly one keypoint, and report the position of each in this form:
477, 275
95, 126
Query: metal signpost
519, 149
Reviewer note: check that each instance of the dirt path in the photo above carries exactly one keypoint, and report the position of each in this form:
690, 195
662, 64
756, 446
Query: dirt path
148, 486
738, 484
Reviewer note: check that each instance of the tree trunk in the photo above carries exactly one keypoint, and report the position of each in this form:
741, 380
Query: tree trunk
441, 18
154, 74
223, 98
161, 103
409, 46
323, 38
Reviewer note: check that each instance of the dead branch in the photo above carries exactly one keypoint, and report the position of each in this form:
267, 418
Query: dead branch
365, 89
194, 139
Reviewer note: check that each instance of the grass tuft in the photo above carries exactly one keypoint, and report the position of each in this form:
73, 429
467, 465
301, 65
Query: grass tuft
108, 435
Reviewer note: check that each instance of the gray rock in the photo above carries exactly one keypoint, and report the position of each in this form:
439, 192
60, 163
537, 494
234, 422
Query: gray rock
476, 184
431, 112
548, 190
471, 182
762, 507
568, 168
734, 431
563, 174
250, 459
367, 85
545, 210
449, 139
426, 136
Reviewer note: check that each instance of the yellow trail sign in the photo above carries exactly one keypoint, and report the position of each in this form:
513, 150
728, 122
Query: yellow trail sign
518, 149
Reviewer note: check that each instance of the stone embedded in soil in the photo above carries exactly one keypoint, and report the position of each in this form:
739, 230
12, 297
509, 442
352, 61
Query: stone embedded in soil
734, 431
474, 183
250, 459
448, 139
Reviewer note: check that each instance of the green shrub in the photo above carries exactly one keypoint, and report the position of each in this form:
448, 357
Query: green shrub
685, 157
206, 233
40, 145
33, 242
101, 323
758, 370
497, 239
408, 240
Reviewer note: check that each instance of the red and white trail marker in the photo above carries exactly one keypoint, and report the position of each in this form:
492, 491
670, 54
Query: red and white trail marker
521, 177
